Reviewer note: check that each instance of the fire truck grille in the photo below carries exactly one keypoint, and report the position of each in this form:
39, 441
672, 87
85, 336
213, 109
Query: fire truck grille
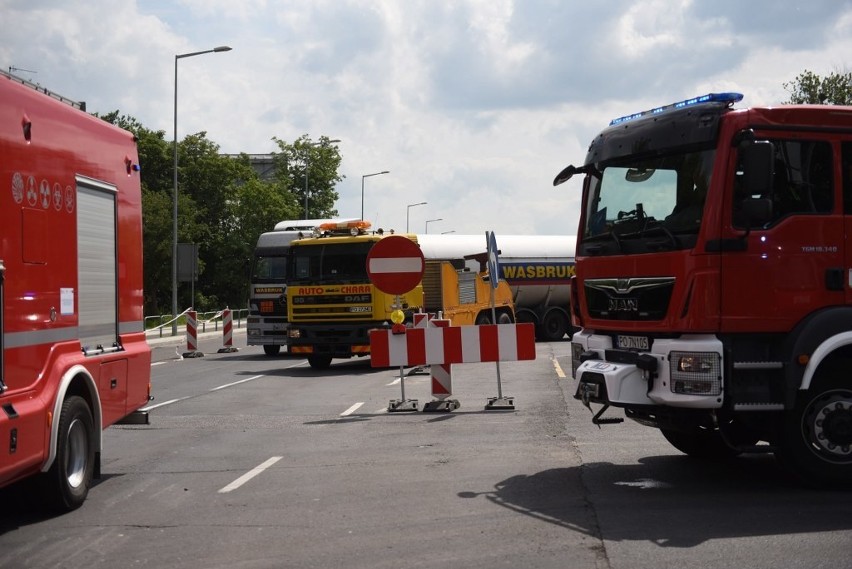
641, 299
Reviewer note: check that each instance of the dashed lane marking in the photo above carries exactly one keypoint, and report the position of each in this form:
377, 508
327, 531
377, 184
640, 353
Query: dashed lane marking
352, 409
249, 475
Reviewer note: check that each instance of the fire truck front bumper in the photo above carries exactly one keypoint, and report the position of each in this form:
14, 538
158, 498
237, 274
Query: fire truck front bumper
678, 372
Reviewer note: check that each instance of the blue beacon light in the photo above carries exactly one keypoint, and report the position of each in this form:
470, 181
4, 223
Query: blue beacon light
729, 98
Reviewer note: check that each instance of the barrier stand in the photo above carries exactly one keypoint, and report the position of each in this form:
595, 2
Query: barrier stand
192, 335
442, 379
401, 404
227, 333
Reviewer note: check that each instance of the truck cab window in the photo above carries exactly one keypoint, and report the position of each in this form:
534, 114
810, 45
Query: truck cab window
802, 181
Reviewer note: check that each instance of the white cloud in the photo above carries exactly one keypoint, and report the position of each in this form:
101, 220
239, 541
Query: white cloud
473, 105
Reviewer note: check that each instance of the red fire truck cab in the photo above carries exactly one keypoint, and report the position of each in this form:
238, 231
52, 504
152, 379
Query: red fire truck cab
714, 279
74, 358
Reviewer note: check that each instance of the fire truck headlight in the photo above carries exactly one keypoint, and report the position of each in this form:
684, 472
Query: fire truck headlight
696, 373
294, 333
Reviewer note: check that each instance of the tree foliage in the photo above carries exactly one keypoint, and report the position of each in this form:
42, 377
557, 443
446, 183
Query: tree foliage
810, 88
223, 206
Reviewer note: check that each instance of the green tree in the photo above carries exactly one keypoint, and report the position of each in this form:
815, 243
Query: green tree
312, 164
223, 206
810, 88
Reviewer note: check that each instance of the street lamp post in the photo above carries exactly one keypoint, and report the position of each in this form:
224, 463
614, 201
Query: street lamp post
320, 143
408, 210
175, 205
428, 221
362, 187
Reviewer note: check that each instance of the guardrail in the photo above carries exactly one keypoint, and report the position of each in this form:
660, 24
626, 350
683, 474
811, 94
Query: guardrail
212, 318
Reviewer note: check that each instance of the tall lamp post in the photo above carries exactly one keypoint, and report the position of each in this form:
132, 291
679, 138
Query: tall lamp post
362, 187
428, 221
175, 205
408, 210
320, 143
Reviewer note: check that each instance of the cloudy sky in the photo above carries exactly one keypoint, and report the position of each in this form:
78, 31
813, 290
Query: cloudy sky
472, 105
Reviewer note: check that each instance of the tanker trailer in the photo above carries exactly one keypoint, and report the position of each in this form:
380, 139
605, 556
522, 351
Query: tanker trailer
538, 269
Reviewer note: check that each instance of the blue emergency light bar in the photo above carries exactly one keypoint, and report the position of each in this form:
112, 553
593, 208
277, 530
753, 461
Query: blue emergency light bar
729, 98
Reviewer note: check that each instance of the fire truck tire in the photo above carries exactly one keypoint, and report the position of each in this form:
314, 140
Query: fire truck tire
271, 350
816, 445
319, 362
68, 480
699, 443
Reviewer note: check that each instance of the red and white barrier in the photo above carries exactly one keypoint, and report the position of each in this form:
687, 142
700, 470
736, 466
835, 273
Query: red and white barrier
192, 335
191, 331
227, 332
454, 344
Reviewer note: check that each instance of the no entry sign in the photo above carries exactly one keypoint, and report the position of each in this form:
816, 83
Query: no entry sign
395, 264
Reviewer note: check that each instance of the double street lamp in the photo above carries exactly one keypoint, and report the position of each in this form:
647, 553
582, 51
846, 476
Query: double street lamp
408, 210
428, 221
307, 154
362, 187
175, 206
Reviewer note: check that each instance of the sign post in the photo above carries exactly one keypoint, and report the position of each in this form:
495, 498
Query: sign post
395, 266
498, 402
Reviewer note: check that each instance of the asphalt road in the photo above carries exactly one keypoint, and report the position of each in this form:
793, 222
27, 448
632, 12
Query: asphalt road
255, 462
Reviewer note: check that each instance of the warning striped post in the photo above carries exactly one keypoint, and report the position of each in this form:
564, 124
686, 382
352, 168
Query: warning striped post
192, 335
227, 332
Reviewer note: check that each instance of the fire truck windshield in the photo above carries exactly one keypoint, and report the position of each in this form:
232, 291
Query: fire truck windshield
655, 203
336, 263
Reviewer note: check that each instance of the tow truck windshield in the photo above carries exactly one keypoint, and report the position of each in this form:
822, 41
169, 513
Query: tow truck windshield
330, 263
647, 204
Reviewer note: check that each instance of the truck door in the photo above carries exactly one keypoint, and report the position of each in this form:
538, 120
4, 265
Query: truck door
846, 184
787, 264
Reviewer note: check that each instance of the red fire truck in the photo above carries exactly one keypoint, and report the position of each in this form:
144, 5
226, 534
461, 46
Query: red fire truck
714, 280
74, 358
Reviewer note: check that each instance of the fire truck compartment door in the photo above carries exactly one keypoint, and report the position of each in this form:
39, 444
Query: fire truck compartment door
96, 264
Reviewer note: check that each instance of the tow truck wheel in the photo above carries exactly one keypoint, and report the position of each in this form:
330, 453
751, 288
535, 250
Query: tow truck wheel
816, 444
483, 319
699, 443
271, 350
319, 362
68, 480
504, 318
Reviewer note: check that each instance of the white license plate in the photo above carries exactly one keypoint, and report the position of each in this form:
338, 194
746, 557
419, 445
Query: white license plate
632, 342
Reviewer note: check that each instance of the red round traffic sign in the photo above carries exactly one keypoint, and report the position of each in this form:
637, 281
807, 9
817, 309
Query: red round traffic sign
395, 264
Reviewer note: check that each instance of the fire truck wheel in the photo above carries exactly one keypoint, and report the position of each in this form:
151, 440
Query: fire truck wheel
68, 480
816, 445
319, 362
699, 443
271, 350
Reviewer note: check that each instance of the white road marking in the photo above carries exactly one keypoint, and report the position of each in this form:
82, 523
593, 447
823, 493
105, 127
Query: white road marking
163, 404
157, 363
394, 382
249, 475
237, 382
352, 409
